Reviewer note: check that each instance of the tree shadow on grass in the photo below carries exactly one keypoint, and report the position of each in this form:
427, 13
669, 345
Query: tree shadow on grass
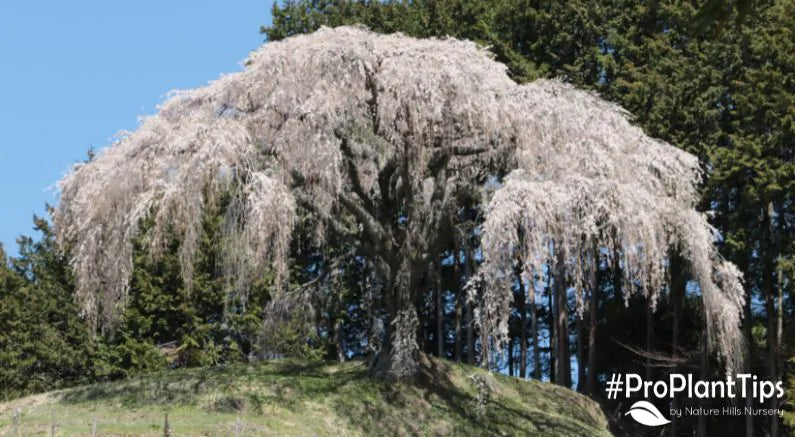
445, 388
387, 413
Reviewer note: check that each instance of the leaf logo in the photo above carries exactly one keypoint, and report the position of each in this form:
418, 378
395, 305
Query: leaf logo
647, 414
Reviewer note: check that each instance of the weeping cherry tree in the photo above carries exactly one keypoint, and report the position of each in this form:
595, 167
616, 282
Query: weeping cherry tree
381, 140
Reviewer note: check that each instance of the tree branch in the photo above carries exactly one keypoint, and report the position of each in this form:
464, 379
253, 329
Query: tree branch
378, 235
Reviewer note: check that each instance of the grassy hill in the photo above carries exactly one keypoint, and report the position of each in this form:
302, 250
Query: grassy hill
297, 398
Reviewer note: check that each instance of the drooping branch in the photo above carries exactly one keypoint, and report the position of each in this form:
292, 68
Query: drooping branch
620, 191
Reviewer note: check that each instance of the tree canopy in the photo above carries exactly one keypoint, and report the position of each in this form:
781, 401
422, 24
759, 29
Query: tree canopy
381, 140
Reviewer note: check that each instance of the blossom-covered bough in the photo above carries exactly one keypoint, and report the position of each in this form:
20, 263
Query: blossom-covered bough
394, 134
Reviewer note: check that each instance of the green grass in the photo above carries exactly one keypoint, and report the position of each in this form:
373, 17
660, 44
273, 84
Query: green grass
298, 398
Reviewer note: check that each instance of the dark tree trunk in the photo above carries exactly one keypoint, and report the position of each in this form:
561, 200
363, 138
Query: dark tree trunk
534, 329
553, 338
469, 318
439, 318
678, 284
617, 279
330, 324
749, 340
511, 366
336, 348
590, 387
485, 349
779, 332
338, 335
459, 299
580, 354
470, 334
563, 372
768, 285
390, 362
384, 357
703, 369
521, 306
703, 372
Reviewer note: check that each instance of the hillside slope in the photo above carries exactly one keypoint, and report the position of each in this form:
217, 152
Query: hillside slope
297, 398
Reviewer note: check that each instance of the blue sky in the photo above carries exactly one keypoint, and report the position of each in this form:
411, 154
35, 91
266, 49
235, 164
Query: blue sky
72, 74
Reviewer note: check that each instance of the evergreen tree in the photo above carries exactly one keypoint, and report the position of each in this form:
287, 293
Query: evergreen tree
44, 344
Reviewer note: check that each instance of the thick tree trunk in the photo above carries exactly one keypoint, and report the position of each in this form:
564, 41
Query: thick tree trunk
384, 357
590, 387
403, 327
563, 372
521, 306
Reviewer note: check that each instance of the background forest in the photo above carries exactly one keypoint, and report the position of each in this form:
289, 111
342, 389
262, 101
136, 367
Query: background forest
715, 79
